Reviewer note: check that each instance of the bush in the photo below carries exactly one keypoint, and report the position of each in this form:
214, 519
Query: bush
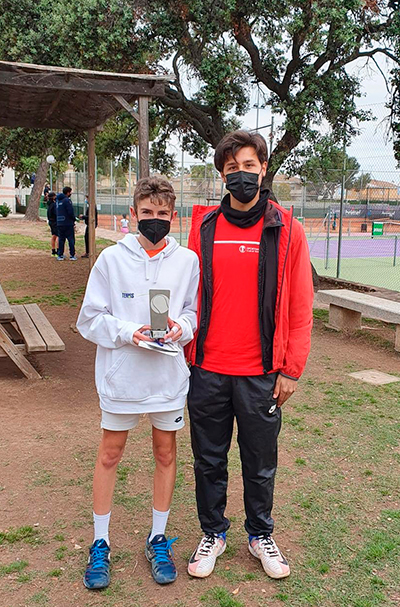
4, 210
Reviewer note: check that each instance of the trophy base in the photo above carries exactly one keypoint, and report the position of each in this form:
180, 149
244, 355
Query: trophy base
158, 334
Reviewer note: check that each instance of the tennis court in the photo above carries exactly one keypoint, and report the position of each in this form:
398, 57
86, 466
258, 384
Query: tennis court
373, 261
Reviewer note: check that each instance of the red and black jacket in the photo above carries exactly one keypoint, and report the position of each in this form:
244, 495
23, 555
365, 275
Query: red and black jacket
294, 289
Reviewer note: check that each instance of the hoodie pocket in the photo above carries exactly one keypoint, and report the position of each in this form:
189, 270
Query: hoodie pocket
137, 376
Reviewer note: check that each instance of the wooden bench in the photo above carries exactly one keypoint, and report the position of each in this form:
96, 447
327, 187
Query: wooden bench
25, 329
346, 309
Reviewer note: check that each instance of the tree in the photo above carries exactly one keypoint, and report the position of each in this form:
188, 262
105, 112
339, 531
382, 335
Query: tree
96, 34
22, 149
202, 171
299, 51
324, 170
360, 182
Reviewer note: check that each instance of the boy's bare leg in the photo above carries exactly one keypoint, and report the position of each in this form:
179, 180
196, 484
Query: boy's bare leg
110, 452
164, 450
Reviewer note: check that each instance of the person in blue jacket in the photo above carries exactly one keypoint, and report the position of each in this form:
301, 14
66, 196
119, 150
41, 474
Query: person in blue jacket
65, 224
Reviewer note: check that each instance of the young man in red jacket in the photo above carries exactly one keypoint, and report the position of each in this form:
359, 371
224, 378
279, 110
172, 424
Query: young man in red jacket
253, 339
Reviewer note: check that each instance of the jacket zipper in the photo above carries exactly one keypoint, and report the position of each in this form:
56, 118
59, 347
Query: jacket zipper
284, 266
205, 312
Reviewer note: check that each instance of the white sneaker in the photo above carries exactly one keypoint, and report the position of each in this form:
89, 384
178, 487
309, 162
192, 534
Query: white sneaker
202, 561
274, 563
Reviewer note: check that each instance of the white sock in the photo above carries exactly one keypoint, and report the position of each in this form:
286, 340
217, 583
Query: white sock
160, 520
101, 523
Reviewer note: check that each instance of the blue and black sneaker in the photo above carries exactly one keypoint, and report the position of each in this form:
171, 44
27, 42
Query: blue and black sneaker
97, 574
159, 553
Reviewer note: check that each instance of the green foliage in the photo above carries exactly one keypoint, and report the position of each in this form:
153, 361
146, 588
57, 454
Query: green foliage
202, 171
219, 597
325, 168
282, 191
301, 52
4, 210
27, 534
15, 567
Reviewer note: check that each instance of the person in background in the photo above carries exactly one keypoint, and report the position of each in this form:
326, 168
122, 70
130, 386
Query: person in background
124, 224
65, 224
46, 192
85, 218
52, 221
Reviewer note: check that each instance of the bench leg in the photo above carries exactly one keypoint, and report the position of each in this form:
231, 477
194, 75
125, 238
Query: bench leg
17, 357
397, 339
343, 319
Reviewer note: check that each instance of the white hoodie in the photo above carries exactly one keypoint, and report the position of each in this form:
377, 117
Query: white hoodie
130, 379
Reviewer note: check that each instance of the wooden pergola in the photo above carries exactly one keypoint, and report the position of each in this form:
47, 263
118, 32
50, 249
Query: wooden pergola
50, 97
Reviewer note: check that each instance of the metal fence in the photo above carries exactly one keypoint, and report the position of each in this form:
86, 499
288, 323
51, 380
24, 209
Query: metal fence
367, 198
367, 253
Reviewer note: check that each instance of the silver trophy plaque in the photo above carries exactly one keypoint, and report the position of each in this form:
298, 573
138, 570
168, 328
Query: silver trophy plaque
159, 311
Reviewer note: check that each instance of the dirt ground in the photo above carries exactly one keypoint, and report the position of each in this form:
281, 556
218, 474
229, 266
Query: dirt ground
48, 440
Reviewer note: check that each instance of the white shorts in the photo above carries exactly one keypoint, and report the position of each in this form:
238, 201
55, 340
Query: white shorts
164, 420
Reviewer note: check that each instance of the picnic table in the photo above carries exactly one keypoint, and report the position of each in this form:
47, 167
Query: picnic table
25, 329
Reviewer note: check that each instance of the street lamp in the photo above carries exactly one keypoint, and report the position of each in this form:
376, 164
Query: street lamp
51, 160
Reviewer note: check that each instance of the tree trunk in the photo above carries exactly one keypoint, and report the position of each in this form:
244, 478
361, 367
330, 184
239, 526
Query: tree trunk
32, 212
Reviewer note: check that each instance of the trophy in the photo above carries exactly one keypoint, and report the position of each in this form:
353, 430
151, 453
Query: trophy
159, 310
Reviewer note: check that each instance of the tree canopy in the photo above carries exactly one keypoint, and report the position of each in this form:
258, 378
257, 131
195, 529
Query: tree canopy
300, 51
323, 170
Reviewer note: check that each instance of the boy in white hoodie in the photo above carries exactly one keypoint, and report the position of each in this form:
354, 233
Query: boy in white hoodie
131, 380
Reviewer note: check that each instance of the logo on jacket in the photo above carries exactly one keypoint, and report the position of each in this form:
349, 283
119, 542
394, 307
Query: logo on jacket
244, 249
128, 295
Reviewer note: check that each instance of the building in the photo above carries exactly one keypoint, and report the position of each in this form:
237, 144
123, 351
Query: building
376, 191
7, 188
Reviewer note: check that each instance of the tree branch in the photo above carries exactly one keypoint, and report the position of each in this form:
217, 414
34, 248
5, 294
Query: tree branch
298, 40
242, 33
207, 124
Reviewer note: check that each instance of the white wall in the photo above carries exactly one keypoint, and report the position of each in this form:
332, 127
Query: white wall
7, 188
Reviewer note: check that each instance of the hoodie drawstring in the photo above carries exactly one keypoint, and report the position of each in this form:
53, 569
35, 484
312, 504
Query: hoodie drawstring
146, 266
160, 260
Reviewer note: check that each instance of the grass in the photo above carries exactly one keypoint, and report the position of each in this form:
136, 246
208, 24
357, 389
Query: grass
55, 573
17, 241
350, 544
21, 534
16, 567
72, 299
220, 597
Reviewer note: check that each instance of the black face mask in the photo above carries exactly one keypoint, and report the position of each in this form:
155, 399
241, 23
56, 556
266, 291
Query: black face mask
243, 185
154, 229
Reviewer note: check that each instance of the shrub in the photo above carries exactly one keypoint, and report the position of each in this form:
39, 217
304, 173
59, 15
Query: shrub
4, 210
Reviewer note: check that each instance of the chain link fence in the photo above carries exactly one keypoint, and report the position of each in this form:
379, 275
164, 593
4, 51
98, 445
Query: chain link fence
370, 224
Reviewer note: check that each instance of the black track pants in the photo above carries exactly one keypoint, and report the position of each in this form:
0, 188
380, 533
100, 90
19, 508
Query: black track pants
213, 402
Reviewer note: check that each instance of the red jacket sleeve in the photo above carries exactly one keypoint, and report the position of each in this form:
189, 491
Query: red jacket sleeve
301, 297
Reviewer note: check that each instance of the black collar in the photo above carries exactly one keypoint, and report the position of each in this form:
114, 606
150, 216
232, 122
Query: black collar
245, 219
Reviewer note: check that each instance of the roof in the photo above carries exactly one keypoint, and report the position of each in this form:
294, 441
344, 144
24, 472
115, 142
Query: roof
375, 183
43, 96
